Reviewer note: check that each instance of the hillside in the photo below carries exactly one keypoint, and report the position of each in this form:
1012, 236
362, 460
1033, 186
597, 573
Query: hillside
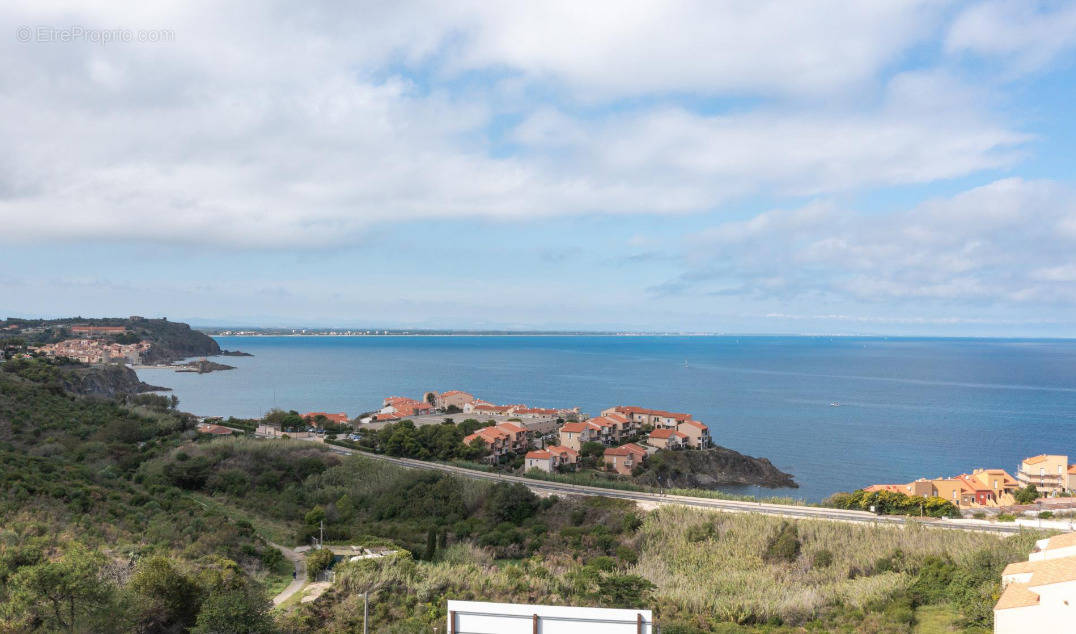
120, 511
170, 341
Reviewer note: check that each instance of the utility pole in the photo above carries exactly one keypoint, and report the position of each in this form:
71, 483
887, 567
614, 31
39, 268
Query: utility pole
365, 611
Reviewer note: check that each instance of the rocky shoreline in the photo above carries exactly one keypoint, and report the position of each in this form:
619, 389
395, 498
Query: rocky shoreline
712, 468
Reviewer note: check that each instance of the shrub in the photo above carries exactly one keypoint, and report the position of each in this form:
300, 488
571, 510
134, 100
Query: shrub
821, 558
317, 561
784, 545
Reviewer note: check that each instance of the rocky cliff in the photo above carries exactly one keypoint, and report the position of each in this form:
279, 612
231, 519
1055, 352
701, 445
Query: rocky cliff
104, 380
711, 468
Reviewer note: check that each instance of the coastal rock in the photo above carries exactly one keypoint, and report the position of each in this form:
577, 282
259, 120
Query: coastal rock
105, 381
203, 366
711, 468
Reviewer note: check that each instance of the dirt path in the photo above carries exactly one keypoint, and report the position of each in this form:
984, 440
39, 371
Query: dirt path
300, 574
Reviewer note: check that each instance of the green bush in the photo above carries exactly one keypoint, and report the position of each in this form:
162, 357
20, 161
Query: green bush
784, 545
318, 561
821, 558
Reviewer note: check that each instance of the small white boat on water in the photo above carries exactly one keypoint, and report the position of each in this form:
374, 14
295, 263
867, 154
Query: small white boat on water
834, 404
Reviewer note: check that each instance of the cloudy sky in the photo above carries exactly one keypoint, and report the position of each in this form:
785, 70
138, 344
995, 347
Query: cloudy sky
890, 166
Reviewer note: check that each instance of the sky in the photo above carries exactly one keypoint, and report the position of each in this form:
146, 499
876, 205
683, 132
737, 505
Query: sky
886, 167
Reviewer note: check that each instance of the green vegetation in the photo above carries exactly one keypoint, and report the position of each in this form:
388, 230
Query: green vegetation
1026, 495
115, 516
893, 503
426, 442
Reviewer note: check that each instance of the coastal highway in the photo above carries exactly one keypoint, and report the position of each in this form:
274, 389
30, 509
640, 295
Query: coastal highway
781, 510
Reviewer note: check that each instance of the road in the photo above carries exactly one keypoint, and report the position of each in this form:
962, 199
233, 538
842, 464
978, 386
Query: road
780, 510
300, 574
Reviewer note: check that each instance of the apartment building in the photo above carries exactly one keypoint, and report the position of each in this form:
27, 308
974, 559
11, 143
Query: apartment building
550, 458
667, 439
623, 459
1050, 473
573, 435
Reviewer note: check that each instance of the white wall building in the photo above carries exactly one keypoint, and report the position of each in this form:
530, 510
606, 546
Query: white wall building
477, 617
1040, 594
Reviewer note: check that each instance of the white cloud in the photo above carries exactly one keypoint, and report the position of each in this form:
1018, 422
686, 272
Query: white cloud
995, 243
1027, 34
287, 125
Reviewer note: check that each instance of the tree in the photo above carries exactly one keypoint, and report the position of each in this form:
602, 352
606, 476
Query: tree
511, 502
315, 515
624, 591
163, 597
431, 544
241, 610
592, 449
1026, 495
318, 561
62, 594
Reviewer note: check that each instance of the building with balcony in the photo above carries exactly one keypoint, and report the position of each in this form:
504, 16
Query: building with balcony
1048, 472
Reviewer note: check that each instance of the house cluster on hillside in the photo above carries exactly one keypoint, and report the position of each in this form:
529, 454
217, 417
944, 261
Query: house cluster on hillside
629, 433
96, 350
1039, 594
1051, 475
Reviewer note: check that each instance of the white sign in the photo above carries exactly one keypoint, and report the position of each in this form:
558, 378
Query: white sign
477, 617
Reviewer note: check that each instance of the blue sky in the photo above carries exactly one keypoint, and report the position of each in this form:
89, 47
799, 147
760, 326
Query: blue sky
890, 167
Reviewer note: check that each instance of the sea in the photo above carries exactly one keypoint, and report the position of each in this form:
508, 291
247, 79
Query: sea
837, 413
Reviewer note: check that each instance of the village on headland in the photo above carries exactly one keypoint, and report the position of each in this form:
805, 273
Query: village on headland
133, 341
551, 440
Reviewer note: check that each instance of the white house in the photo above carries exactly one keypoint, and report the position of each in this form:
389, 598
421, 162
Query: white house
1040, 594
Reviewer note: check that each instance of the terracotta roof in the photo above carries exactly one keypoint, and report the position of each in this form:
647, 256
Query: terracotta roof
618, 451
1066, 540
574, 428
1050, 571
512, 427
667, 433
216, 430
614, 416
601, 421
634, 448
652, 412
538, 455
335, 418
454, 392
695, 423
1072, 469
898, 488
1018, 568
562, 449
1016, 595
1036, 459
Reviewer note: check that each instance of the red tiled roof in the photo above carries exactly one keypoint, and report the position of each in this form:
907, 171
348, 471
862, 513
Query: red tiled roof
618, 451
574, 427
334, 418
632, 447
601, 421
559, 449
697, 424
216, 430
664, 433
538, 455
652, 412
512, 427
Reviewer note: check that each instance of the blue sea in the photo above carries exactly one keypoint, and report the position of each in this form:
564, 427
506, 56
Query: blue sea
908, 407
